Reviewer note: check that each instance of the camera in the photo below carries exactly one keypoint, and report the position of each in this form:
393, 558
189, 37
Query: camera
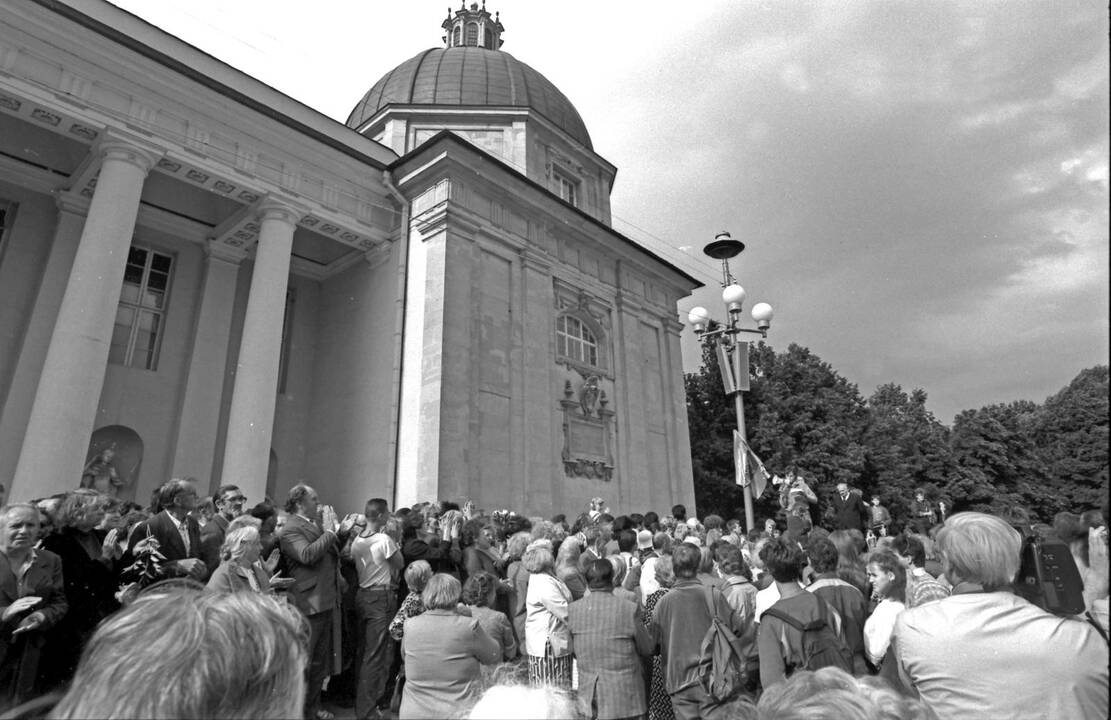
1047, 575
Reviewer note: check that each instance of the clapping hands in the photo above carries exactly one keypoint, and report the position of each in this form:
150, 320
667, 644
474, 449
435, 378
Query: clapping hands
328, 518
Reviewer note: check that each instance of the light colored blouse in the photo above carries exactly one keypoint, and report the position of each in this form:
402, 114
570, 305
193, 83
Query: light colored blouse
546, 626
878, 629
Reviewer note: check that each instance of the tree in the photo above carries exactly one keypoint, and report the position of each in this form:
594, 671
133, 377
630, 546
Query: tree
999, 468
906, 448
1070, 432
800, 415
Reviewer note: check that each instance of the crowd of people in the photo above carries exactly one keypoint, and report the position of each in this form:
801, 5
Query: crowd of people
446, 610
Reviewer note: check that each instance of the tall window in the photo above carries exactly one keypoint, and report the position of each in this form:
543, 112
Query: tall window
567, 189
457, 36
472, 35
140, 317
575, 341
488, 39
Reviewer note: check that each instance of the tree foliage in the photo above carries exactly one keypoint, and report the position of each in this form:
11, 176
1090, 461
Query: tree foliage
801, 415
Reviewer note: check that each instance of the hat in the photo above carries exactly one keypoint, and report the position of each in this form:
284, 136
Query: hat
692, 522
644, 540
693, 540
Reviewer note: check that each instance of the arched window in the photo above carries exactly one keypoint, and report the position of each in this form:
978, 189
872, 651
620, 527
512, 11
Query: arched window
488, 39
575, 341
457, 36
472, 35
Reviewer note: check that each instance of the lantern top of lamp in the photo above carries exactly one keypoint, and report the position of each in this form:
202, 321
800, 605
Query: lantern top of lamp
724, 247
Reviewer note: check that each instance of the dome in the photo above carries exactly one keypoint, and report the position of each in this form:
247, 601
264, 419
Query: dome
468, 76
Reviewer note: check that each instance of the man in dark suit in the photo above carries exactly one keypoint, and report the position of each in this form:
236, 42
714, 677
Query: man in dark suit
177, 532
310, 543
849, 510
608, 639
229, 502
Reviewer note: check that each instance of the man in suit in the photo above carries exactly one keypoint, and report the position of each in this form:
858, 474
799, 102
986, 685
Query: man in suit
310, 543
177, 532
229, 502
608, 639
849, 511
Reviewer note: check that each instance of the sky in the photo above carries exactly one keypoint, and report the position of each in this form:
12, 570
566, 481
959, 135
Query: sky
922, 186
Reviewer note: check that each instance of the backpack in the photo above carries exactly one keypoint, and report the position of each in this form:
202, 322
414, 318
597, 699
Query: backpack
722, 670
821, 645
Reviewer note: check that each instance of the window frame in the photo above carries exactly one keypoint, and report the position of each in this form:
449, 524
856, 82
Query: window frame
137, 307
597, 364
567, 187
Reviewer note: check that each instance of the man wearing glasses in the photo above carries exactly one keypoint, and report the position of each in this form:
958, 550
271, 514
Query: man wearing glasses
230, 503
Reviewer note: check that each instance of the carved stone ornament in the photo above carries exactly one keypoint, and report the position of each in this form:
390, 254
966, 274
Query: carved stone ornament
587, 431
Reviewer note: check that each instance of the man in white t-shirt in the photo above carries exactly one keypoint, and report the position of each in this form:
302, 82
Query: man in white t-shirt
378, 561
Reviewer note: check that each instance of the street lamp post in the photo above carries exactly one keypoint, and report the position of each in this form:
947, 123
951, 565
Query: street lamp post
732, 351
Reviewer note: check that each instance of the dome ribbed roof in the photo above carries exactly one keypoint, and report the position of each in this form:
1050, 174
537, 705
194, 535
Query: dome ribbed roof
470, 76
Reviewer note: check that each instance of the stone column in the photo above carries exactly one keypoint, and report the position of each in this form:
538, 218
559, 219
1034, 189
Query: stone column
200, 409
15, 406
254, 397
72, 377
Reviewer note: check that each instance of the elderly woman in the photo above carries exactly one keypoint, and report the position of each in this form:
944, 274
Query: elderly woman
547, 633
986, 652
517, 582
479, 593
239, 569
443, 653
416, 578
32, 600
89, 564
659, 702
567, 567
168, 654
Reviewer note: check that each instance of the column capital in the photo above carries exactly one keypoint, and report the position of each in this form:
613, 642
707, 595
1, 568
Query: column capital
114, 145
276, 208
71, 202
216, 250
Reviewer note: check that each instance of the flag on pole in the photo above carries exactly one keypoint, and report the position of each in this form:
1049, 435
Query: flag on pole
749, 467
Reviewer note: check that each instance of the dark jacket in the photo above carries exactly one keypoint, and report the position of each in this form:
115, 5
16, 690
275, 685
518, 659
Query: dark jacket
312, 559
850, 513
19, 654
163, 529
679, 624
212, 538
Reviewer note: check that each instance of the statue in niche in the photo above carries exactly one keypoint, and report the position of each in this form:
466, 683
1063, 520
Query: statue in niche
588, 395
101, 475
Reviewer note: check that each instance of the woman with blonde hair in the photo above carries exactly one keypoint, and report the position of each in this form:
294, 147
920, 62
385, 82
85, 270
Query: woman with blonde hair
90, 561
547, 632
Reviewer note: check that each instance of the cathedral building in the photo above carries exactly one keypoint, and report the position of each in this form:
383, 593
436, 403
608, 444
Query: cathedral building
201, 277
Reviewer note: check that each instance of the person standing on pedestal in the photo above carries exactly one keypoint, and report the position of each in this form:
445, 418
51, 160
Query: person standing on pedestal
849, 512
